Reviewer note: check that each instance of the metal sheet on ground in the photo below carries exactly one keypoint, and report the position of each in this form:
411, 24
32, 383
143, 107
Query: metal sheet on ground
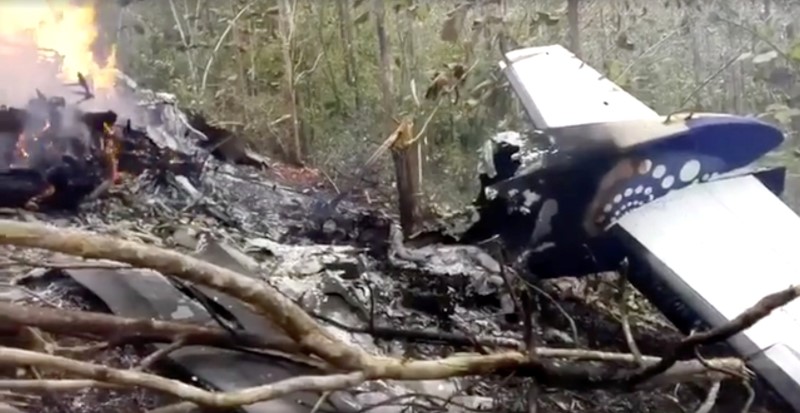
250, 321
146, 294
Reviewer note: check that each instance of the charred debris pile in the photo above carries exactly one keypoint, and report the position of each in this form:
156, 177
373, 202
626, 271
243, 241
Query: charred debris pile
54, 155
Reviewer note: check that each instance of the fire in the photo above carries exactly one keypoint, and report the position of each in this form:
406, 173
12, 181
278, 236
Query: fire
57, 29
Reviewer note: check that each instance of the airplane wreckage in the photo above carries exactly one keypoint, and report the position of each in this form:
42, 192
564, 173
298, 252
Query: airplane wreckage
601, 179
704, 232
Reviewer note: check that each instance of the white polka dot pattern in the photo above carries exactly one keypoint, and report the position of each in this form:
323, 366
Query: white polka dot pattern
652, 178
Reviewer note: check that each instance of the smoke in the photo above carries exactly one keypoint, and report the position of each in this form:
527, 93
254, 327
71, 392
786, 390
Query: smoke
27, 68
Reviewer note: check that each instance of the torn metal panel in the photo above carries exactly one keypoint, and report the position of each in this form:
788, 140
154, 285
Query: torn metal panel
147, 294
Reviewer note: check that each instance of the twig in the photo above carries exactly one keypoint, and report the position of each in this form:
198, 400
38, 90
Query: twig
51, 396
761, 309
573, 326
751, 396
185, 42
282, 388
520, 308
82, 323
130, 378
789, 59
703, 84
322, 399
710, 400
309, 70
159, 354
624, 294
441, 406
637, 59
15, 261
54, 385
430, 336
219, 44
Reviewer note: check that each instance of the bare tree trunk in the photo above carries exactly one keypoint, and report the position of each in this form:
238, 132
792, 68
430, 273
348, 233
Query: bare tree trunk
405, 157
574, 28
346, 32
286, 23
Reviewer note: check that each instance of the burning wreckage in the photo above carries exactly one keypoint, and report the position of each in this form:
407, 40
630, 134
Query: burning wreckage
56, 156
604, 180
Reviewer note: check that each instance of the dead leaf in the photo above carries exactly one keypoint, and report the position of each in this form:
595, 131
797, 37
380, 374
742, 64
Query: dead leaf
362, 18
443, 83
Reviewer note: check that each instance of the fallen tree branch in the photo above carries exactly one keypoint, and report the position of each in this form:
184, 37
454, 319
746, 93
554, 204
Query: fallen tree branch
102, 376
430, 336
624, 294
132, 378
129, 330
282, 388
159, 354
21, 262
752, 315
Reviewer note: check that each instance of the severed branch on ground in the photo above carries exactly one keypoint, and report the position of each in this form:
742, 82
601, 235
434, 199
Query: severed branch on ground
123, 330
624, 295
745, 320
356, 365
102, 376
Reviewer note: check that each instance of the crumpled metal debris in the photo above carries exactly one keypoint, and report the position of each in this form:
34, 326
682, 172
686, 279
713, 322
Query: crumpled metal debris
237, 218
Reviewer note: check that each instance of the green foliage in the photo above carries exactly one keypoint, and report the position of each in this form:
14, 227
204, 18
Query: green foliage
660, 51
794, 51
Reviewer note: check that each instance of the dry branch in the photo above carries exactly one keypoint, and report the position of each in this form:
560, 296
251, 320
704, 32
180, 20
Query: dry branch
752, 315
129, 330
123, 330
131, 378
102, 376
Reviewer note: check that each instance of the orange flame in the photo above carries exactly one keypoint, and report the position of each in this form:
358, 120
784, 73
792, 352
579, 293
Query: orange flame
60, 28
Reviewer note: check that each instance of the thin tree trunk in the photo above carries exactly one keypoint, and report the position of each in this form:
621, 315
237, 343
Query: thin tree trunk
346, 32
405, 159
286, 23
